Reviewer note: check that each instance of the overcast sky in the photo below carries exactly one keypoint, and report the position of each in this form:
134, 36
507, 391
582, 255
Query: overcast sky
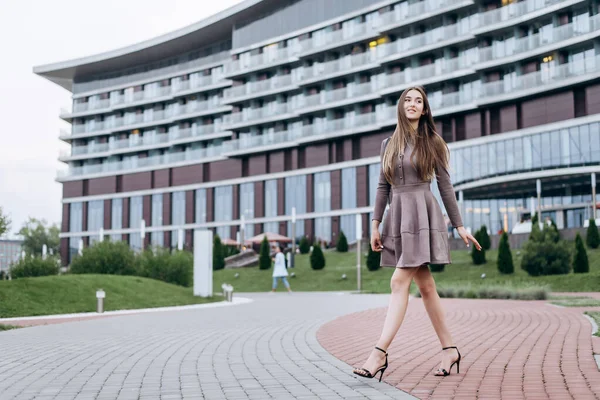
37, 32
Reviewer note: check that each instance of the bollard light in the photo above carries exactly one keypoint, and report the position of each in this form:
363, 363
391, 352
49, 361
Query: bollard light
344, 276
100, 295
482, 276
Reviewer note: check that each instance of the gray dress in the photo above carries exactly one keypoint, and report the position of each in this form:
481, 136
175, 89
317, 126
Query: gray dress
414, 231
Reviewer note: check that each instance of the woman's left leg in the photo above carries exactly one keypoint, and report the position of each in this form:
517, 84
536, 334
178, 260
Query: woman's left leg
433, 305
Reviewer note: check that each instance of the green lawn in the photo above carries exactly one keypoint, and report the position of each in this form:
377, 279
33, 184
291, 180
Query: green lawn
8, 327
596, 316
461, 272
77, 293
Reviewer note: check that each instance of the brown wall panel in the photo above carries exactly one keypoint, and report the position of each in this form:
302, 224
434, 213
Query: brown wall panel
161, 178
167, 217
257, 164
294, 155
335, 229
309, 229
84, 216
508, 118
592, 99
371, 145
259, 199
210, 208
544, 110
125, 221
281, 196
225, 169
276, 162
236, 202
107, 214
473, 125
137, 181
362, 185
147, 209
104, 185
317, 155
310, 199
187, 175
190, 204
347, 149
336, 189
64, 226
72, 189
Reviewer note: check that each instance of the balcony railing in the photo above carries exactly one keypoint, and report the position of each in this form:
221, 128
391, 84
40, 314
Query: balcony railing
270, 56
513, 10
318, 70
256, 114
258, 87
348, 32
401, 13
551, 74
415, 74
529, 43
267, 139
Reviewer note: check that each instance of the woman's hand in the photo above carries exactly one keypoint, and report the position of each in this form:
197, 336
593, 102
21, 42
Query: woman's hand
466, 237
376, 241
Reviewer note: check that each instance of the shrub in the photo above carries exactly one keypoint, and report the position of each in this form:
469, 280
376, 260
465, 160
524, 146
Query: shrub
492, 292
218, 258
2, 275
342, 243
317, 259
264, 259
304, 245
546, 257
536, 233
505, 261
158, 263
580, 258
373, 260
32, 267
180, 268
229, 251
437, 267
592, 238
105, 257
478, 256
485, 241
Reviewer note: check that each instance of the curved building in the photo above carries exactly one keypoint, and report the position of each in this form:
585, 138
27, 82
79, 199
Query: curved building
279, 104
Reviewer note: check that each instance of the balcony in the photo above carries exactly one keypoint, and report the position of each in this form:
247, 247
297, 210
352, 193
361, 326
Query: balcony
549, 77
271, 56
253, 116
536, 43
342, 66
350, 32
132, 164
258, 88
401, 14
333, 98
263, 142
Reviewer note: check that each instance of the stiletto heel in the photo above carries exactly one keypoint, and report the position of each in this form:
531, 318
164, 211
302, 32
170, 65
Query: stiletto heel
457, 362
365, 373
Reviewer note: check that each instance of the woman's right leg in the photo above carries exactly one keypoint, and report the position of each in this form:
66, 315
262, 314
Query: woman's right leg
274, 284
400, 285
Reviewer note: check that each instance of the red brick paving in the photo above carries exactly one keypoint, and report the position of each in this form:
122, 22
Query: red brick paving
511, 350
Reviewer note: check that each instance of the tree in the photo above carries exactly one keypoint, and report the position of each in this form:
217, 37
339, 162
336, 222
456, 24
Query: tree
264, 259
485, 242
478, 256
36, 233
218, 259
304, 246
342, 243
317, 259
373, 260
592, 238
505, 261
4, 223
580, 258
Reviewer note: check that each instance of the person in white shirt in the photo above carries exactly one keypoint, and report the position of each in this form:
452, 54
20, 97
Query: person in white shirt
280, 272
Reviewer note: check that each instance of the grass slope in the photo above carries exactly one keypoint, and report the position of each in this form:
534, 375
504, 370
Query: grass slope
461, 272
77, 293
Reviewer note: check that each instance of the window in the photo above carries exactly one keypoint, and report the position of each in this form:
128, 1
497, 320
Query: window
116, 217
95, 218
322, 193
295, 196
223, 209
247, 207
177, 216
136, 212
271, 205
348, 222
200, 206
157, 238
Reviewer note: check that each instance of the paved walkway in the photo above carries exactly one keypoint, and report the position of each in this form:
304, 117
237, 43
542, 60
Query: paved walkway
259, 350
511, 350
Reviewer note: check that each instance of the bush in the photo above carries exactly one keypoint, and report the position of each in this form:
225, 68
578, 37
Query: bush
317, 259
492, 292
158, 263
580, 258
342, 243
264, 259
592, 238
105, 257
229, 251
505, 261
437, 267
478, 256
373, 260
546, 257
304, 246
485, 241
32, 267
218, 251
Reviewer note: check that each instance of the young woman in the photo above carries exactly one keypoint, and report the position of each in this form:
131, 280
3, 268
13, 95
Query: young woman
414, 231
280, 271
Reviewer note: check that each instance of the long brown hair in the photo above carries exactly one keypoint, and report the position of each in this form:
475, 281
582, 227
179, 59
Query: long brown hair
429, 148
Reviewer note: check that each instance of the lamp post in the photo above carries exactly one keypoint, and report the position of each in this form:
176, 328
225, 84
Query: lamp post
293, 237
593, 195
358, 249
143, 231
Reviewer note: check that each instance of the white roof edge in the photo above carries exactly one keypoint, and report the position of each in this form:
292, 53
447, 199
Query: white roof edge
47, 68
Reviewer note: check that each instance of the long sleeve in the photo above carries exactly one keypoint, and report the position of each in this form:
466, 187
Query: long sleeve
383, 189
448, 196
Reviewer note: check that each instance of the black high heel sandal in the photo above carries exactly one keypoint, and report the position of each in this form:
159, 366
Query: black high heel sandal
367, 374
457, 362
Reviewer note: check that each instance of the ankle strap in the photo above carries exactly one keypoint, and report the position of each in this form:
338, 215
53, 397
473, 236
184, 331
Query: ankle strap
449, 347
383, 351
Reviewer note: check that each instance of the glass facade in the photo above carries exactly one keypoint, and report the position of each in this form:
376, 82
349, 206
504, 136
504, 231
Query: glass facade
271, 206
247, 207
136, 213
348, 222
116, 217
75, 225
177, 216
157, 238
322, 193
224, 209
200, 210
95, 218
295, 196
